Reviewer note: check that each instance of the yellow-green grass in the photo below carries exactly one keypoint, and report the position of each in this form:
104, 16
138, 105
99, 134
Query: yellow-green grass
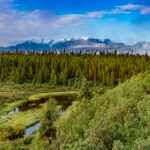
16, 124
10, 90
7, 107
16, 90
41, 96
12, 105
2, 121
15, 95
24, 119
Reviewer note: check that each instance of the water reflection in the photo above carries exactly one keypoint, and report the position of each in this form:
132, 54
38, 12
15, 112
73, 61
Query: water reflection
31, 129
13, 111
10, 113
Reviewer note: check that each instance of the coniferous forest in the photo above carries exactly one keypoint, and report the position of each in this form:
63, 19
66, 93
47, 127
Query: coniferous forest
79, 101
63, 69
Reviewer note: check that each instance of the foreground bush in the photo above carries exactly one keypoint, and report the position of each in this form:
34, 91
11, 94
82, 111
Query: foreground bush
16, 132
119, 119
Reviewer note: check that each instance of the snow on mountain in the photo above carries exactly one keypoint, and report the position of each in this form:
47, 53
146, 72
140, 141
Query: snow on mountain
82, 43
84, 38
143, 45
85, 42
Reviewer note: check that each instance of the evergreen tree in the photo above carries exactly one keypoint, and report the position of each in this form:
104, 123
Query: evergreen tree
47, 128
85, 90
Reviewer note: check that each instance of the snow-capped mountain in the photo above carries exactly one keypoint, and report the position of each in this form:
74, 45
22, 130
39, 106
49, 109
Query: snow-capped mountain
143, 45
83, 43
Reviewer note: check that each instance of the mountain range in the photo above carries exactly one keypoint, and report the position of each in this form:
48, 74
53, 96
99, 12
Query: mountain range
82, 44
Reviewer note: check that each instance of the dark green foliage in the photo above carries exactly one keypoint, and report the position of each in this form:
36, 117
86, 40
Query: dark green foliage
119, 119
27, 140
85, 90
47, 129
103, 69
15, 132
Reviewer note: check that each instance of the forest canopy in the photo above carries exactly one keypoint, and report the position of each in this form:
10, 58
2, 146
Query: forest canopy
69, 68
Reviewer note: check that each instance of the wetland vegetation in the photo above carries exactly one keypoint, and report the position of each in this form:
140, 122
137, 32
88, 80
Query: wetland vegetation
74, 101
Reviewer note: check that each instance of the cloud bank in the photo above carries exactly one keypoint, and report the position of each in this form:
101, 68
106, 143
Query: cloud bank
143, 9
18, 25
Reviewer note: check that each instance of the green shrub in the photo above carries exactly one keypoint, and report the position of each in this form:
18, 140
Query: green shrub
16, 132
115, 120
6, 146
27, 140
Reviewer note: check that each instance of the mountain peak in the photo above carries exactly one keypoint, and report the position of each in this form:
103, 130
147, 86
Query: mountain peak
84, 38
83, 43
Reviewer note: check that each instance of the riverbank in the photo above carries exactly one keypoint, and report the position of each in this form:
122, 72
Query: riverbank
29, 107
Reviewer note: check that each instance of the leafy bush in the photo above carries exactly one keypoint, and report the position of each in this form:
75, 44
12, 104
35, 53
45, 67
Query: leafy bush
6, 146
27, 140
16, 132
119, 119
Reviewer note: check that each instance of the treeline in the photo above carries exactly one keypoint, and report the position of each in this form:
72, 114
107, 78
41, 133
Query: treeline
70, 68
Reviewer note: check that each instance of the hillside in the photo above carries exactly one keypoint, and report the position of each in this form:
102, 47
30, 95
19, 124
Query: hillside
119, 119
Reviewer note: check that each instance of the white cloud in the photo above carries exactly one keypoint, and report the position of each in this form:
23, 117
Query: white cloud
35, 24
142, 8
71, 19
96, 14
129, 7
145, 10
119, 11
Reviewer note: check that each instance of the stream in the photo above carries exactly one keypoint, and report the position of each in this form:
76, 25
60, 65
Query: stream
9, 113
29, 130
64, 101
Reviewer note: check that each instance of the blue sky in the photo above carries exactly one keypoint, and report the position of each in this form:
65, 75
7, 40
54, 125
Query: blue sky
125, 21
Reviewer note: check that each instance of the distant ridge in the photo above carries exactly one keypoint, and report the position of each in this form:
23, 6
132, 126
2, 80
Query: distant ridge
82, 44
26, 46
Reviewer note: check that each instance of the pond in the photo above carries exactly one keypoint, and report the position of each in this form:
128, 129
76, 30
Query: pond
64, 101
31, 129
